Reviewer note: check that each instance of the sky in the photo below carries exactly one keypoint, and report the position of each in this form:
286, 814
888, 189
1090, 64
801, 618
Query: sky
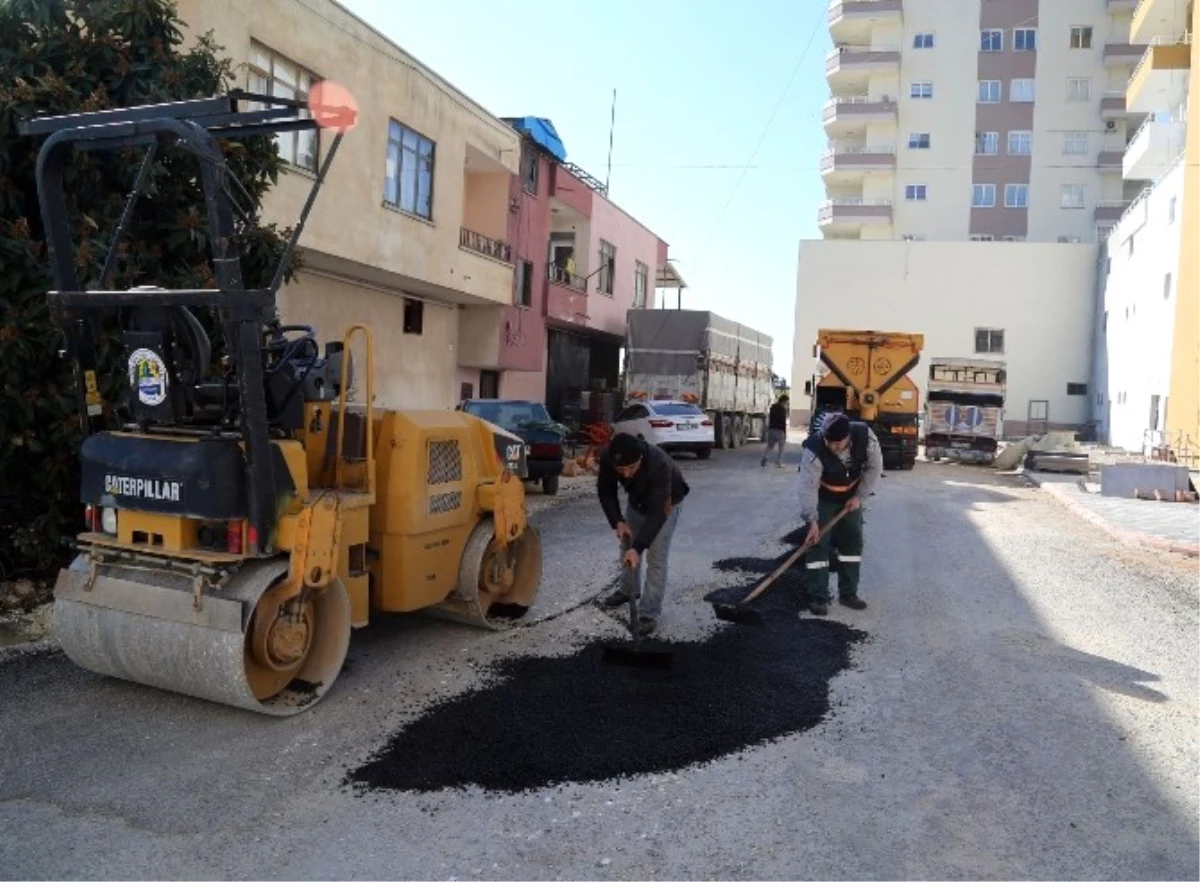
717, 136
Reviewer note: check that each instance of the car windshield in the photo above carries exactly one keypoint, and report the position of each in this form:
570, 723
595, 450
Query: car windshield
510, 414
677, 410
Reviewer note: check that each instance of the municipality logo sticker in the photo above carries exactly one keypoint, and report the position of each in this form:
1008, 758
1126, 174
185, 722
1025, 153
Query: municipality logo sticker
148, 375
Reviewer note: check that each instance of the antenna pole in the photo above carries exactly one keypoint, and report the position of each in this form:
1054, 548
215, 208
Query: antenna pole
611, 124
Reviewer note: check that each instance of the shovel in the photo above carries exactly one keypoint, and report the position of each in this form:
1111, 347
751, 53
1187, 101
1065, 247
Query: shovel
740, 613
634, 654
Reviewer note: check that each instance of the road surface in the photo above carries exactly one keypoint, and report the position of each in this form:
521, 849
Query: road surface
1024, 705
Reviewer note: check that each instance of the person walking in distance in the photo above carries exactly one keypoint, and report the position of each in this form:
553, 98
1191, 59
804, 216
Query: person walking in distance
655, 488
777, 426
839, 466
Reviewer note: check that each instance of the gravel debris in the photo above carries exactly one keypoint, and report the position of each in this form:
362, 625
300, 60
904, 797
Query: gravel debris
544, 721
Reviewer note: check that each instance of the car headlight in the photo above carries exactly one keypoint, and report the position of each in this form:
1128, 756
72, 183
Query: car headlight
108, 520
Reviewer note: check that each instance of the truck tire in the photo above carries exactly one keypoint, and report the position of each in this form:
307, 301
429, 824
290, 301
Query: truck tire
724, 431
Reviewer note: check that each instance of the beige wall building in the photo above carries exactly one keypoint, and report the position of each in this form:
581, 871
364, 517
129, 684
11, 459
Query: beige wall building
1034, 317
405, 232
985, 119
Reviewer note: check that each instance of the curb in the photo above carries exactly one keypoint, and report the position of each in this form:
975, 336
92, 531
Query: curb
1129, 537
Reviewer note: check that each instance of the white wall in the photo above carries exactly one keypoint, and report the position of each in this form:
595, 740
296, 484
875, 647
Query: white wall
1139, 301
1041, 294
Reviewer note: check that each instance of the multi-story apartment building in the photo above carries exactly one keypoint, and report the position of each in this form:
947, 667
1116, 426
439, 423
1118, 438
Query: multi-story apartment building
439, 225
977, 119
1147, 329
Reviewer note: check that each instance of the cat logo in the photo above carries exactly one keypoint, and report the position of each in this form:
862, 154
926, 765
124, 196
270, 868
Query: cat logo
514, 452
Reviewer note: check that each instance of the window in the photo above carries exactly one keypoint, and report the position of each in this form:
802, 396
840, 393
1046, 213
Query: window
991, 40
989, 91
923, 40
1081, 37
408, 183
272, 74
608, 266
1016, 195
1075, 144
1020, 143
918, 141
414, 315
989, 340
987, 143
1025, 39
1167, 287
916, 192
1013, 238
1171, 211
1072, 196
529, 170
523, 292
983, 196
1077, 389
1020, 91
1079, 89
1069, 240
641, 273
923, 89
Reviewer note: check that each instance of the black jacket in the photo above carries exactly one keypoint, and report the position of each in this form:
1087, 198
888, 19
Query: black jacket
656, 481
777, 418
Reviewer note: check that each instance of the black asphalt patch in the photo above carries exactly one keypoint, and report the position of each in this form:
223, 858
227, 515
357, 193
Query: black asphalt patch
549, 721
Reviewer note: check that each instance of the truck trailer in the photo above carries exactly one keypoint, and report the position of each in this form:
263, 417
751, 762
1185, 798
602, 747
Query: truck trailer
867, 377
694, 355
964, 409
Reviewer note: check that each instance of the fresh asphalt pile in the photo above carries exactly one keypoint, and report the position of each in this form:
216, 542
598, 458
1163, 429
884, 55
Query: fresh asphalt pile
547, 721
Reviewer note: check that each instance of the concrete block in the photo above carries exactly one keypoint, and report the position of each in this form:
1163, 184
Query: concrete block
1122, 479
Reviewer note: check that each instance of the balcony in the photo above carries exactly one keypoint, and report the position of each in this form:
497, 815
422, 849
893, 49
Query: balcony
1110, 211
852, 21
850, 67
1158, 19
1122, 54
1112, 106
566, 301
845, 165
470, 240
1159, 81
1154, 148
849, 215
1110, 160
851, 114
1120, 5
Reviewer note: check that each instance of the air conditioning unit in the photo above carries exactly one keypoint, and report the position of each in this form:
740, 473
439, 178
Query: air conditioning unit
1110, 125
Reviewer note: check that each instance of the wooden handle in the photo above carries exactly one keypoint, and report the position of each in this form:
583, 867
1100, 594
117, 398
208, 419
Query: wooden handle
795, 556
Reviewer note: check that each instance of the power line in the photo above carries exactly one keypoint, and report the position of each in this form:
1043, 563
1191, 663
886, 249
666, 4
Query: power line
822, 14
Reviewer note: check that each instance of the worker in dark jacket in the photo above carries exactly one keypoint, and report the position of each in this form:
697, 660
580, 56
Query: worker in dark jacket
777, 426
655, 489
839, 466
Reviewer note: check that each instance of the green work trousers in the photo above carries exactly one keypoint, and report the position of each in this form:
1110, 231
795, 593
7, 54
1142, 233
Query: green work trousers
847, 537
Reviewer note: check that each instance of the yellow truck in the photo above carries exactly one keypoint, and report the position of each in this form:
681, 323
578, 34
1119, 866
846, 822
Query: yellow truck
866, 375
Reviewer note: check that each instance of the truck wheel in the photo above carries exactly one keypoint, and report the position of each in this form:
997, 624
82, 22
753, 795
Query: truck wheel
722, 429
908, 464
550, 485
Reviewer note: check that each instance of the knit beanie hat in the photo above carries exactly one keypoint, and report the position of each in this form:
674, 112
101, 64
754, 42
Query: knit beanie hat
625, 449
836, 427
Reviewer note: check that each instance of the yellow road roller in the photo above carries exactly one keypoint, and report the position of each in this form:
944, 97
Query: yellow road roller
247, 514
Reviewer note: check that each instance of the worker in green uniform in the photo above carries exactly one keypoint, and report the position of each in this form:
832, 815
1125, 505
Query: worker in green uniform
839, 466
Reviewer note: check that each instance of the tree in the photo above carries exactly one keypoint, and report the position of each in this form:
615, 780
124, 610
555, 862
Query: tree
70, 56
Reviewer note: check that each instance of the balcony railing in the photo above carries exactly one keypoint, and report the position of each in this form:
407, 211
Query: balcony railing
1157, 42
592, 182
560, 276
481, 244
827, 208
886, 105
851, 54
829, 157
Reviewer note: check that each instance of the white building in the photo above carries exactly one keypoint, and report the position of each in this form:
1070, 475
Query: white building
1035, 315
976, 118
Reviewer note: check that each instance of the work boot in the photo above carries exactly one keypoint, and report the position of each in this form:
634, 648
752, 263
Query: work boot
852, 601
617, 598
645, 626
764, 462
818, 608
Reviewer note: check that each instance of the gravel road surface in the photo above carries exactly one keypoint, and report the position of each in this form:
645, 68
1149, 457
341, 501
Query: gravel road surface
1022, 704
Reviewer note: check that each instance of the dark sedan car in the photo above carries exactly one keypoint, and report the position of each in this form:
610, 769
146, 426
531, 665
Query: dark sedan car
532, 423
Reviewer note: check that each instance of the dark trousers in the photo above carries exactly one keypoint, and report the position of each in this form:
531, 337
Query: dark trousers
847, 537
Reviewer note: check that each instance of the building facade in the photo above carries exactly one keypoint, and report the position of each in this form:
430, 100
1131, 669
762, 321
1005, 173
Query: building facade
1147, 334
983, 119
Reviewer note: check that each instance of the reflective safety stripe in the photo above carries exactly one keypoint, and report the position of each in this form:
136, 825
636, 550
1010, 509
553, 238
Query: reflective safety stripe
817, 564
844, 488
850, 558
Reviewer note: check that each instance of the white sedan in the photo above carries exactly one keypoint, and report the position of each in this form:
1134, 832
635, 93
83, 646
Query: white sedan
672, 425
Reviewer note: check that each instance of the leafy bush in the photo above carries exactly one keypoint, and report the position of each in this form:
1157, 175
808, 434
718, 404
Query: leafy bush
70, 56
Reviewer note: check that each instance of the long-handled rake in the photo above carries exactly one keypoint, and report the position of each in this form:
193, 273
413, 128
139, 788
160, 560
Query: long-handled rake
740, 613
